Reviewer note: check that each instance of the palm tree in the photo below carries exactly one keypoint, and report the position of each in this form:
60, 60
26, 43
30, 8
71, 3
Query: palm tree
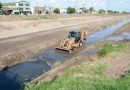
91, 9
0, 5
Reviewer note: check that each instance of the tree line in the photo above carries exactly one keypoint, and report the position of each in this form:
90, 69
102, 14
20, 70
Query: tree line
90, 11
69, 10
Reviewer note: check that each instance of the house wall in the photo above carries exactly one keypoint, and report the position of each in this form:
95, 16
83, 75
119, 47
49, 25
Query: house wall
22, 7
38, 10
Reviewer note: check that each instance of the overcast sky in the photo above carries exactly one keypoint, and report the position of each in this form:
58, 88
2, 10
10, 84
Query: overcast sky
120, 5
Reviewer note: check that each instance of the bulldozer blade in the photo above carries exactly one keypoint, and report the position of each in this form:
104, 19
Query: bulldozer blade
62, 49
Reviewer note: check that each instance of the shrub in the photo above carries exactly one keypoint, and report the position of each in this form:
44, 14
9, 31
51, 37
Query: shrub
70, 10
101, 53
108, 48
57, 11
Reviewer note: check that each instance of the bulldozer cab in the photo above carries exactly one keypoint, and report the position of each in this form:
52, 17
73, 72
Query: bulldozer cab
73, 34
76, 35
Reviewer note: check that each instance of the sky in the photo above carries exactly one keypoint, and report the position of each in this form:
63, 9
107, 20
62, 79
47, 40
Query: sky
119, 5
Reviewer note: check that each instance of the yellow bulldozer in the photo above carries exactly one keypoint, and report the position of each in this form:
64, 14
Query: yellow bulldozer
74, 40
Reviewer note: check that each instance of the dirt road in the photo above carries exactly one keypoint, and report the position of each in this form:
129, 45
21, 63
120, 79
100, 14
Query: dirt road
13, 26
17, 49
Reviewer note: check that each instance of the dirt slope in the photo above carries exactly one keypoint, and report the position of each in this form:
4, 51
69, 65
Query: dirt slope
18, 49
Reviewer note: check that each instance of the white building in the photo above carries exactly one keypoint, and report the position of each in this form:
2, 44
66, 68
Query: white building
63, 11
49, 10
79, 11
20, 7
38, 10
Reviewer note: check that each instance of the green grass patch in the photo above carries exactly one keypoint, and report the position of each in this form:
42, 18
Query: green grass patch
83, 83
108, 48
126, 24
73, 79
99, 69
43, 16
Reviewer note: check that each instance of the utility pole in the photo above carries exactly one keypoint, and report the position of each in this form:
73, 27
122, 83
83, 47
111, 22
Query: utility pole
108, 5
76, 4
44, 2
84, 5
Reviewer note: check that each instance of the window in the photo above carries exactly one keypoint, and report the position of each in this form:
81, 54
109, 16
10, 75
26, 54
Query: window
20, 4
21, 9
27, 4
27, 8
12, 4
14, 8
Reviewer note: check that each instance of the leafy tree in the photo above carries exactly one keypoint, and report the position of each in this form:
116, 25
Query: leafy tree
116, 12
124, 12
47, 12
101, 11
91, 9
71, 10
57, 11
0, 5
110, 11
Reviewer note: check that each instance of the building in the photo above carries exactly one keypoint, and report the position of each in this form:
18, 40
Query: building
95, 12
19, 8
63, 11
79, 11
84, 10
42, 10
38, 10
6, 11
49, 10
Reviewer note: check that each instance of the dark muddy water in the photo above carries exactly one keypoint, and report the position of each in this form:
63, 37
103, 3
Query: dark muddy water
15, 77
121, 37
104, 33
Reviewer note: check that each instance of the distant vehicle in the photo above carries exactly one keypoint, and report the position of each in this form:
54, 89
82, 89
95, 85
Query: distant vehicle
12, 15
8, 15
2, 14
